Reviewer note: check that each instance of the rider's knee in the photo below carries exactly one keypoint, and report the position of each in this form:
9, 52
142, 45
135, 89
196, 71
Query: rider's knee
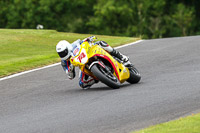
105, 46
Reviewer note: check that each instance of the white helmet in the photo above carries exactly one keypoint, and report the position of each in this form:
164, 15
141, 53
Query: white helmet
64, 49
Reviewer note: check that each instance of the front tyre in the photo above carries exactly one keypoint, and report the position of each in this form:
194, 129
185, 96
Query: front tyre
104, 76
134, 76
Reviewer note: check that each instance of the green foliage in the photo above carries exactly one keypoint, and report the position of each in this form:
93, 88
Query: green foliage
112, 17
146, 18
183, 18
188, 124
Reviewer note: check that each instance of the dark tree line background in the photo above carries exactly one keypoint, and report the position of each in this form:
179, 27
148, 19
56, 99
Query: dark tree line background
144, 18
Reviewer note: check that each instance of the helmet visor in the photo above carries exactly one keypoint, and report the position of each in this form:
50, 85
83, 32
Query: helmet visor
63, 53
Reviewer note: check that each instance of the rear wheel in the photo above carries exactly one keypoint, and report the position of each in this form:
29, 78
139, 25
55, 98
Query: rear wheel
134, 76
107, 77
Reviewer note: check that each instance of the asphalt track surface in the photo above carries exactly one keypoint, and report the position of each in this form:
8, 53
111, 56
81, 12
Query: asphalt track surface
46, 101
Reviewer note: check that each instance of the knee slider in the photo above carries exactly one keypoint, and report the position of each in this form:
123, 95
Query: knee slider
103, 44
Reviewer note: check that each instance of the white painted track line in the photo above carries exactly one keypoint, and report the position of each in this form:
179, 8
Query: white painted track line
125, 45
21, 73
25, 72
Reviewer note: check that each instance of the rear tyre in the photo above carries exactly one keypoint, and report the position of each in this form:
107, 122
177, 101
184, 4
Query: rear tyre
134, 76
107, 78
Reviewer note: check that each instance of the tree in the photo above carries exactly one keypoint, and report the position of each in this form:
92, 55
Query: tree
112, 17
183, 18
145, 18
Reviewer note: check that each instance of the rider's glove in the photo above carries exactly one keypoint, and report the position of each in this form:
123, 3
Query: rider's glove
90, 39
71, 72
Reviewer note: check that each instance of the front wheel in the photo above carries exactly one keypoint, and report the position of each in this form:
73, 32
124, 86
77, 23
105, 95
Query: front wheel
104, 76
134, 76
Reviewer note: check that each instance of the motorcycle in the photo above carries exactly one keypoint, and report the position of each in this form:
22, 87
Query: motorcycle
99, 64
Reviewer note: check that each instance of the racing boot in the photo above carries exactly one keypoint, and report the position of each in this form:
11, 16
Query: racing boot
123, 58
86, 81
115, 53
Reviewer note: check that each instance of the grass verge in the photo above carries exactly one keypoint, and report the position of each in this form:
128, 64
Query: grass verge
190, 124
22, 50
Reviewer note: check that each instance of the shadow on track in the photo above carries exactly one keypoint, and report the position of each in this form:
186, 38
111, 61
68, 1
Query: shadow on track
105, 88
98, 88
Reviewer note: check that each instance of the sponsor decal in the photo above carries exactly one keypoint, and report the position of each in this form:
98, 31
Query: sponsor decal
72, 59
88, 50
81, 56
75, 51
101, 55
116, 64
124, 70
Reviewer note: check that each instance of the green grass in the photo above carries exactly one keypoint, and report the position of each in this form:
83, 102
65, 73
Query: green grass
190, 124
22, 50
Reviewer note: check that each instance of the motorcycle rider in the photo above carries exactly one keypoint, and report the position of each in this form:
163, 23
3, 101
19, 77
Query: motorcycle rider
65, 50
